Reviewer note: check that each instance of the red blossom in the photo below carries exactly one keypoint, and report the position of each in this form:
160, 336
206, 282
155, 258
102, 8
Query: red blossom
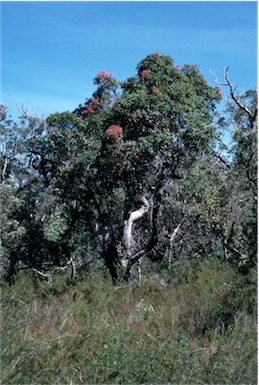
102, 74
80, 118
114, 131
156, 54
155, 91
220, 94
89, 109
94, 100
177, 67
145, 72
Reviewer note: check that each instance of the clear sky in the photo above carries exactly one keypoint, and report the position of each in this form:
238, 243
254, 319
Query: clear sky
51, 51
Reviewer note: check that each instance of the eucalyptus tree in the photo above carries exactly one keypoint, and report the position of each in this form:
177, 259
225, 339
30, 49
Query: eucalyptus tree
114, 180
137, 138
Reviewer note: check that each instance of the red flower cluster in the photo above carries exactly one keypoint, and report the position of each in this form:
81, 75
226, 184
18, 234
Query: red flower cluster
155, 91
219, 92
145, 72
89, 109
156, 54
102, 74
94, 100
177, 67
114, 131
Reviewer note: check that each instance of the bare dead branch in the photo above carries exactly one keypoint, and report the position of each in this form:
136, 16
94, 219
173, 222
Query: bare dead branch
252, 116
218, 156
235, 98
25, 114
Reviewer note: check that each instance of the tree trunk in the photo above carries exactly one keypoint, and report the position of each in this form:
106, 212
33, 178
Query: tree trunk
73, 268
110, 258
128, 240
172, 240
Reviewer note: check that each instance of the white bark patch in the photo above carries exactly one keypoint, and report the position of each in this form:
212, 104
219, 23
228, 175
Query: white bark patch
172, 240
127, 234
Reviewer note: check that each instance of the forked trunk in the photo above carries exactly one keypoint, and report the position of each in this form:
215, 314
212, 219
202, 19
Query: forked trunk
128, 240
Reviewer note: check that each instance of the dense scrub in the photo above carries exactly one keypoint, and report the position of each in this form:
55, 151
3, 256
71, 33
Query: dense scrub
200, 329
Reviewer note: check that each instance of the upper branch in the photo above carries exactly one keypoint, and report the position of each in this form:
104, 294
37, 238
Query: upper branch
251, 115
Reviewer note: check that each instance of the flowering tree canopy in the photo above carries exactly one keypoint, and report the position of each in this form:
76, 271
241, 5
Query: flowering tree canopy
130, 169
131, 141
166, 115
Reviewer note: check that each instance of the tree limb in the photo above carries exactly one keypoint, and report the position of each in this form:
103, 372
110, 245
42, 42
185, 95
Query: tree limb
221, 159
47, 276
251, 116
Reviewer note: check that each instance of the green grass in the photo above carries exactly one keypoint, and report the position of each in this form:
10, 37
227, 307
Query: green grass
196, 332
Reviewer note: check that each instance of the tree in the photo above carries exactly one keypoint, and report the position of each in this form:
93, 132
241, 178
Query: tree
134, 172
147, 138
240, 116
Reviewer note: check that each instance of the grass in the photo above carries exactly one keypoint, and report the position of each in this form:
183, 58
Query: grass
196, 332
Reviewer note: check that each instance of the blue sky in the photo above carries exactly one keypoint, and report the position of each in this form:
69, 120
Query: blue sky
51, 51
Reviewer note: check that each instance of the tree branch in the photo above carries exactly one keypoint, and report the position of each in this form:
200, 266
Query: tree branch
221, 159
251, 116
47, 276
236, 99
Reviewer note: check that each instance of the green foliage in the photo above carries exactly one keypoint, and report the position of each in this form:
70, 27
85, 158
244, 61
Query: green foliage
11, 230
55, 226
